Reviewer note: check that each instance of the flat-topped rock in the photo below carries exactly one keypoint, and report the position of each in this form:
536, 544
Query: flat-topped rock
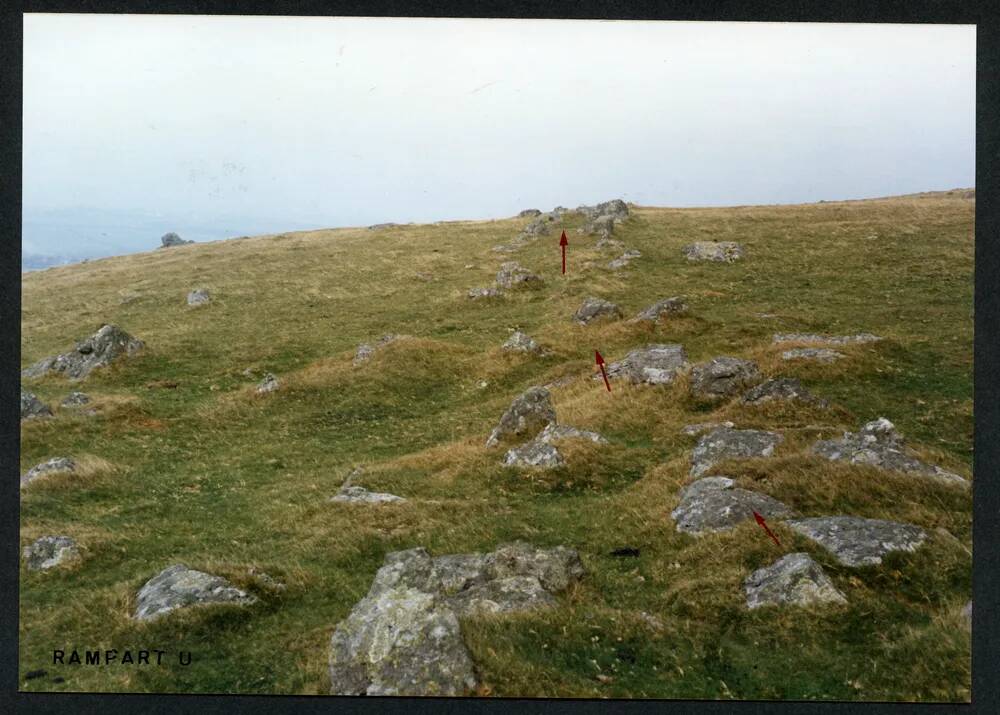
53, 466
713, 504
722, 376
784, 389
702, 427
662, 308
596, 308
527, 415
490, 292
716, 251
33, 408
856, 541
725, 443
878, 444
99, 350
656, 364
48, 552
625, 259
556, 433
199, 296
181, 587
860, 338
794, 580
520, 342
360, 495
536, 454
513, 275
268, 384
822, 355
366, 351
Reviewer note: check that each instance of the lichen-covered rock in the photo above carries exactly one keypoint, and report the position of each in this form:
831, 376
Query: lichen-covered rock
513, 275
656, 364
662, 308
725, 443
360, 495
477, 293
722, 377
717, 251
32, 407
199, 296
52, 466
625, 259
878, 444
520, 342
527, 415
794, 579
825, 339
782, 388
100, 349
603, 226
529, 213
75, 399
268, 384
366, 351
557, 433
48, 552
179, 587
171, 239
539, 226
714, 504
857, 541
595, 308
536, 454
822, 355
615, 208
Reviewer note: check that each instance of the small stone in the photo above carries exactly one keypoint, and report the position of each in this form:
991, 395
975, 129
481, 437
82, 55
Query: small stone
719, 252
199, 296
609, 244
359, 495
725, 443
722, 377
48, 552
527, 415
556, 433
967, 613
595, 308
268, 384
52, 466
366, 351
823, 355
716, 506
856, 541
663, 308
180, 587
782, 388
476, 293
521, 343
75, 399
794, 579
32, 407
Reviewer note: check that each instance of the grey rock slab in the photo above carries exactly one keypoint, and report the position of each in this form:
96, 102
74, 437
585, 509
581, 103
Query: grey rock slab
821, 355
609, 244
52, 466
715, 251
521, 343
527, 415
534, 454
513, 275
860, 338
722, 376
199, 296
702, 427
180, 587
706, 484
48, 552
529, 213
794, 579
666, 307
100, 349
718, 506
782, 388
656, 364
32, 407
726, 443
477, 293
360, 495
615, 208
268, 384
555, 433
595, 308
856, 541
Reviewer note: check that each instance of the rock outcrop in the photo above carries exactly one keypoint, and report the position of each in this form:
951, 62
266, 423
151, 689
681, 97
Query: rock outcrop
702, 427
722, 377
782, 388
477, 293
100, 349
716, 251
595, 308
725, 443
514, 275
171, 239
541, 452
856, 541
713, 504
181, 587
529, 213
52, 466
795, 580
527, 415
33, 408
878, 444
656, 364
48, 552
662, 308
520, 342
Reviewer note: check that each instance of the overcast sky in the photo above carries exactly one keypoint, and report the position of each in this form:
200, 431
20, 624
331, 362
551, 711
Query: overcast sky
233, 125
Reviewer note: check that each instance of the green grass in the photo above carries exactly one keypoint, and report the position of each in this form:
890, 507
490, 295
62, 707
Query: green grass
209, 474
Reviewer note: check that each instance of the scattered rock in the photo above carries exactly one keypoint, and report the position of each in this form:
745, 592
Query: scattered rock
199, 296
534, 454
49, 551
595, 308
52, 466
168, 240
824, 355
624, 259
696, 429
100, 349
404, 637
825, 339
476, 293
794, 579
75, 399
32, 407
718, 251
878, 444
856, 541
382, 226
615, 208
656, 364
726, 443
539, 226
514, 275
527, 415
529, 213
179, 587
661, 308
521, 343
507, 248
561, 382
712, 504
268, 384
360, 495
609, 244
722, 377
782, 388
601, 225
366, 351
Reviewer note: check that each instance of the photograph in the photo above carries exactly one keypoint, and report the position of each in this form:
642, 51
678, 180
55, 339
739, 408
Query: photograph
443, 357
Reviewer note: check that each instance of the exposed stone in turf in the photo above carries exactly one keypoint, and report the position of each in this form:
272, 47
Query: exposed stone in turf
32, 407
268, 384
534, 454
625, 259
656, 364
180, 587
725, 443
722, 377
595, 308
696, 429
366, 351
825, 339
52, 466
782, 388
360, 495
491, 292
857, 541
527, 415
513, 275
529, 213
100, 349
609, 244
520, 342
717, 251
199, 296
794, 579
878, 444
714, 504
555, 433
382, 226
615, 208
823, 355
662, 308
75, 399
48, 552
171, 239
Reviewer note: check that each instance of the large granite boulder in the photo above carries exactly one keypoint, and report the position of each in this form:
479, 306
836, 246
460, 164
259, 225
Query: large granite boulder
32, 407
716, 251
527, 415
794, 579
722, 377
513, 275
171, 239
53, 466
713, 504
662, 308
520, 342
856, 541
782, 389
100, 349
726, 443
821, 355
878, 444
404, 637
180, 587
595, 308
48, 552
860, 338
656, 364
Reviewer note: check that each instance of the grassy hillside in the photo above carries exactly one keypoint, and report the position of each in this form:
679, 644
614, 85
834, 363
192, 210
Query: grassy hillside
185, 463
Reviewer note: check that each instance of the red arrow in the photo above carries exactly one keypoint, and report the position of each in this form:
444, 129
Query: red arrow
763, 524
563, 242
600, 363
